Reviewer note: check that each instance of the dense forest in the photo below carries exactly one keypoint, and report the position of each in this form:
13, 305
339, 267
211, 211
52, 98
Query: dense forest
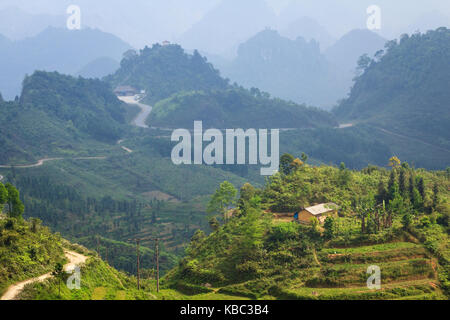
405, 88
165, 70
236, 108
74, 114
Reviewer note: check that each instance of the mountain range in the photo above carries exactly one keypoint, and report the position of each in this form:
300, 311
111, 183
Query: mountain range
54, 49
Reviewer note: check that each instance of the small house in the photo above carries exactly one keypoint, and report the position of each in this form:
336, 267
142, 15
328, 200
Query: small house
320, 211
125, 91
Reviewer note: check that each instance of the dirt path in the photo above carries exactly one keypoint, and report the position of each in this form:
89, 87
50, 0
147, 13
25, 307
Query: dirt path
42, 161
345, 125
75, 259
410, 139
315, 257
124, 148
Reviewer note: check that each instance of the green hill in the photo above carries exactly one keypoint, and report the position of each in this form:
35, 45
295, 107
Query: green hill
259, 255
405, 90
165, 70
27, 249
235, 108
59, 115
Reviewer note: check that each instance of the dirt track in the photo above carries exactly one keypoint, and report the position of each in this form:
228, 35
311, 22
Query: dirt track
75, 259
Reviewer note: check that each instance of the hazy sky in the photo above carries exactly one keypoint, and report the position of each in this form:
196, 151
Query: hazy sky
142, 22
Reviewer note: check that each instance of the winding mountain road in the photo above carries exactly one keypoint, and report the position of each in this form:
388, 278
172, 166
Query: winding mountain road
75, 259
139, 121
42, 161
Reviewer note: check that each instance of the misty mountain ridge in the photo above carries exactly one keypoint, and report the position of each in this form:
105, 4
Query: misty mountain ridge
309, 29
407, 90
17, 24
230, 22
54, 49
99, 68
296, 69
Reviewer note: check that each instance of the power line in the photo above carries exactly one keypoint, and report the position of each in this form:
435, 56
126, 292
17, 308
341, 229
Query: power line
138, 276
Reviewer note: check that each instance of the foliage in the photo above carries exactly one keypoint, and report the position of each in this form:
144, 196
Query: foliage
165, 70
235, 107
406, 91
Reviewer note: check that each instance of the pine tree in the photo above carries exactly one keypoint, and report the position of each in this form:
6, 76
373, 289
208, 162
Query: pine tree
402, 182
435, 196
421, 188
382, 194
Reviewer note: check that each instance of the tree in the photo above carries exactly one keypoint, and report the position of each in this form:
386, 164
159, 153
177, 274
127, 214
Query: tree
58, 273
363, 63
297, 164
406, 220
286, 163
314, 222
402, 182
435, 196
393, 188
394, 162
247, 192
304, 157
411, 186
214, 223
417, 200
421, 187
3, 196
16, 207
365, 207
223, 198
382, 194
329, 228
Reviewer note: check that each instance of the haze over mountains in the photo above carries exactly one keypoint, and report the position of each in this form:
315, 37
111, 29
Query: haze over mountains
296, 69
55, 49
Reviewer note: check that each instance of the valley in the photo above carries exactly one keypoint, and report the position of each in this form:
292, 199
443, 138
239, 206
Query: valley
87, 168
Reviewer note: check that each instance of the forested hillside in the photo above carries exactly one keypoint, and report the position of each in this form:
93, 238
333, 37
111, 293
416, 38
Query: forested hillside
405, 89
72, 113
165, 70
236, 108
27, 249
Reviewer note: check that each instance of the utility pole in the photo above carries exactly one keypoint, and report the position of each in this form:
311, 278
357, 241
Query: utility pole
138, 241
137, 262
98, 246
157, 264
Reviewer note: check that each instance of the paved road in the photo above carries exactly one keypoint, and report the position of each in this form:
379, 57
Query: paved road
139, 121
75, 259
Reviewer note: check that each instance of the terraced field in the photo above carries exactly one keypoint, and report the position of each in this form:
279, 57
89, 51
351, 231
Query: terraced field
408, 271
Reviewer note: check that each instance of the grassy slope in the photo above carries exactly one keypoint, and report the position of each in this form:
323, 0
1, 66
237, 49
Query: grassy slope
25, 253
